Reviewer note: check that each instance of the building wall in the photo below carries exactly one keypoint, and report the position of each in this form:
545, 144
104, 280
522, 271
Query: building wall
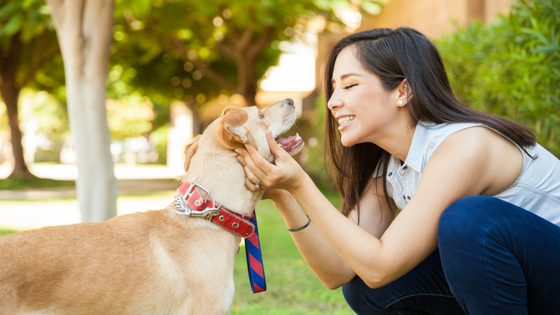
435, 17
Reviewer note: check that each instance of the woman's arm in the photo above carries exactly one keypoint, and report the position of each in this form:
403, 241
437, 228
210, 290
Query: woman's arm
469, 162
375, 217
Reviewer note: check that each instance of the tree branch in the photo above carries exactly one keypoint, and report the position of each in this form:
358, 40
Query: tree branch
44, 58
256, 49
208, 72
226, 50
244, 42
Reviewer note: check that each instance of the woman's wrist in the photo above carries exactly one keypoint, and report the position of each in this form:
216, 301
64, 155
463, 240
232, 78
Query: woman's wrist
302, 186
277, 195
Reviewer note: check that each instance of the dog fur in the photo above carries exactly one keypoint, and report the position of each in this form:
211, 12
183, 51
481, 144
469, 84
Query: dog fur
155, 262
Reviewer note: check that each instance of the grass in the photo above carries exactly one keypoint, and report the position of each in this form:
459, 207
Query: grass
292, 289
31, 183
6, 231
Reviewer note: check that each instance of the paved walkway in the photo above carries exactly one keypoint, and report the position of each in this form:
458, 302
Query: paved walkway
140, 189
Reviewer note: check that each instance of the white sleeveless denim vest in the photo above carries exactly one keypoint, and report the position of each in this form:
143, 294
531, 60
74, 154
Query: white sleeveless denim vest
537, 189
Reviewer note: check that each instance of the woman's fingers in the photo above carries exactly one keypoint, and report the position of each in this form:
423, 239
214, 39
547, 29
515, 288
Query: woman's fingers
284, 173
241, 159
275, 148
251, 185
253, 172
257, 161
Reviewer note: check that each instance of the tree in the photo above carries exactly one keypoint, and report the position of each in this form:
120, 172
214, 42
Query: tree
27, 43
197, 50
84, 30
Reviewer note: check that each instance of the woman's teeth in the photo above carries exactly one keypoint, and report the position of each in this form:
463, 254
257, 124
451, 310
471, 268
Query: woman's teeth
345, 119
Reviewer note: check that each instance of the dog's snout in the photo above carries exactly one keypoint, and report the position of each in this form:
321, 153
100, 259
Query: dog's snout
290, 101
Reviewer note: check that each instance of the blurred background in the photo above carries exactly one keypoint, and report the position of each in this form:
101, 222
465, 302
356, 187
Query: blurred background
174, 65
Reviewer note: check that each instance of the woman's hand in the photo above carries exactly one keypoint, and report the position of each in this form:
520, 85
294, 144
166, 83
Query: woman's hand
285, 173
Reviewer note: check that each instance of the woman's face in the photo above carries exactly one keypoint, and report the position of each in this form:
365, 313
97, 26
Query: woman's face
360, 104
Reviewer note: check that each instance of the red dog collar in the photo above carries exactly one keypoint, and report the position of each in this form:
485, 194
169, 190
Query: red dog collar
189, 201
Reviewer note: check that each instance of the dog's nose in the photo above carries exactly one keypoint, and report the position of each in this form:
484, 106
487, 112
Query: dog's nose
290, 101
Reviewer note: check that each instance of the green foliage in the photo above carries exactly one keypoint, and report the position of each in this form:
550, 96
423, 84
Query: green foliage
51, 117
159, 137
29, 17
29, 21
177, 48
129, 117
315, 164
511, 67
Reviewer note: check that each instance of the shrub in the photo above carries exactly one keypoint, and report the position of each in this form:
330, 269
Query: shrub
511, 67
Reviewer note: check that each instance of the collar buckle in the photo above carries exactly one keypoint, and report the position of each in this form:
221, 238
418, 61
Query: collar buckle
183, 208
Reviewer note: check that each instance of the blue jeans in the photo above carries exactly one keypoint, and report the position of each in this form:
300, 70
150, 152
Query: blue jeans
493, 258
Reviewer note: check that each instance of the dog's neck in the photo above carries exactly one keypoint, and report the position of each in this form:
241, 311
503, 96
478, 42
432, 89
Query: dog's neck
222, 175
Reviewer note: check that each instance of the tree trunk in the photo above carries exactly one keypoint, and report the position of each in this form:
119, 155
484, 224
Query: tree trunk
10, 93
248, 81
248, 49
84, 29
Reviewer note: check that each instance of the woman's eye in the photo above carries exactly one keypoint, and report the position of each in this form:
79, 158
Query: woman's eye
348, 87
261, 114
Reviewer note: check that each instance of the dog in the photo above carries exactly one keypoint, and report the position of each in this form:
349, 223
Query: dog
171, 261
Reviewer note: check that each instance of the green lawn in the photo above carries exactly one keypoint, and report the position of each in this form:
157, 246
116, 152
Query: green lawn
292, 286
6, 231
27, 183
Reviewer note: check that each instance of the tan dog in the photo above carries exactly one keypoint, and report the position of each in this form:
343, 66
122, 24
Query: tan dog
155, 262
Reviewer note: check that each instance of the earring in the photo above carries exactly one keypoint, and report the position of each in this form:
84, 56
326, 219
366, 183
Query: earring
400, 102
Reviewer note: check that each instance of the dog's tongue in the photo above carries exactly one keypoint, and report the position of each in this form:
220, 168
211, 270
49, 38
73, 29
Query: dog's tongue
292, 144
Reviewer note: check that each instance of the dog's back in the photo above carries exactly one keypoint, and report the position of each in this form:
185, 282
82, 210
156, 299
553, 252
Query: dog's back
126, 265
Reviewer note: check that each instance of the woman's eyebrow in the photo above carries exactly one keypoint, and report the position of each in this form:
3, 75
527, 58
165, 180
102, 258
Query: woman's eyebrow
346, 75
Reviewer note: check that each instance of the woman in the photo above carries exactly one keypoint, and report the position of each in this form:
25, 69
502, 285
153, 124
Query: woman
479, 200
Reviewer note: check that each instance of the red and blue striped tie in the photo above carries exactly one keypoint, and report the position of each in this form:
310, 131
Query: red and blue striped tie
254, 259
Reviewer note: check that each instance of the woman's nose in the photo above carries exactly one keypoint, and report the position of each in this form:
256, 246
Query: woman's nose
334, 102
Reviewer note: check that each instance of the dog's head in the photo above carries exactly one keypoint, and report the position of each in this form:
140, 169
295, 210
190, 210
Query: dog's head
240, 126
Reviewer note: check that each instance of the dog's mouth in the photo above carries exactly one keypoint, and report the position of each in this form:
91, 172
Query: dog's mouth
292, 144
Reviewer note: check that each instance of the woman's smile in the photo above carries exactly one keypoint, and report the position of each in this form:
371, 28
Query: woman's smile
344, 121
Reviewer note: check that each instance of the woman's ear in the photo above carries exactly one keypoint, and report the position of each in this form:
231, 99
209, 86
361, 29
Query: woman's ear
404, 93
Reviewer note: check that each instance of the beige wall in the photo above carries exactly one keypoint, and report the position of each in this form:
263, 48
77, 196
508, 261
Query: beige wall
435, 17
494, 7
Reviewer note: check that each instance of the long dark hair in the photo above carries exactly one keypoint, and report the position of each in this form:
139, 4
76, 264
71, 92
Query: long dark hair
395, 55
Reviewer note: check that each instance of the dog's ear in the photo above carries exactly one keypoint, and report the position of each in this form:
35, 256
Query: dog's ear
232, 134
190, 150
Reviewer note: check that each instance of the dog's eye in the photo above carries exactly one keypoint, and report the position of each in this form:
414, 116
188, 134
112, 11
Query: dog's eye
261, 115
